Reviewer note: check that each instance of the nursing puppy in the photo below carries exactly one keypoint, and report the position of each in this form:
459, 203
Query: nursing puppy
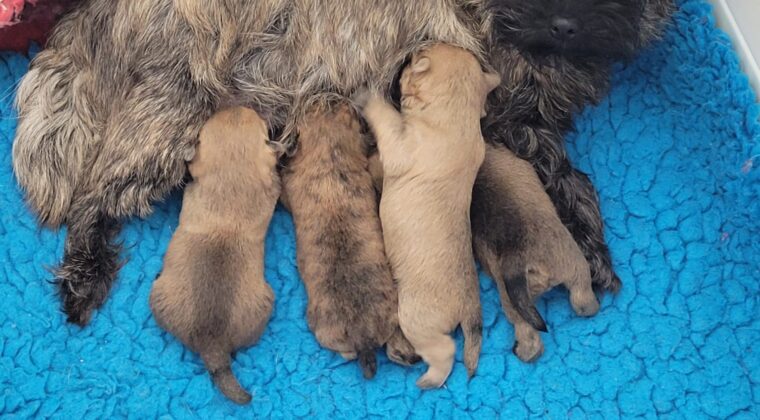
430, 154
113, 68
211, 293
353, 303
525, 247
171, 63
555, 57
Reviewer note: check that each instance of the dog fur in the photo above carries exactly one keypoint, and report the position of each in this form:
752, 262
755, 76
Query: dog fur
528, 250
353, 302
546, 80
109, 110
430, 153
211, 293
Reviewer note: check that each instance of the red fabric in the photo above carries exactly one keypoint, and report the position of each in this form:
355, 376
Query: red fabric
24, 21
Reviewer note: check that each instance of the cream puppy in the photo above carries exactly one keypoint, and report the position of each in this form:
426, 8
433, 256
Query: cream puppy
430, 153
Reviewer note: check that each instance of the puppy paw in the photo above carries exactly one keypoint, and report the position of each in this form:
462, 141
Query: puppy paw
584, 303
400, 351
361, 97
430, 380
604, 278
529, 350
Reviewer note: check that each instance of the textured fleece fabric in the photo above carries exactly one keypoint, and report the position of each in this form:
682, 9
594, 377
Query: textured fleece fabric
674, 151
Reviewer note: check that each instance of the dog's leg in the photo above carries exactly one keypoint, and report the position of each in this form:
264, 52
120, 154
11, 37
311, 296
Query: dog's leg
577, 203
90, 262
400, 350
388, 126
570, 190
528, 346
438, 352
582, 295
142, 158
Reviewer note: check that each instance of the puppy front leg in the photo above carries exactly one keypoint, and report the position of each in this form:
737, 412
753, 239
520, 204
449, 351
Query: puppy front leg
388, 126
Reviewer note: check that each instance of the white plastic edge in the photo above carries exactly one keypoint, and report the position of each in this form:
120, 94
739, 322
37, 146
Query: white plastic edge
725, 18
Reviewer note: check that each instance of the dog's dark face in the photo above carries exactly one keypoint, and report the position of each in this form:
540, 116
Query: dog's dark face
569, 28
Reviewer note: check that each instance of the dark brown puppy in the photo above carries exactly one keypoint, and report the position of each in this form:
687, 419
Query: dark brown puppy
353, 302
524, 246
212, 294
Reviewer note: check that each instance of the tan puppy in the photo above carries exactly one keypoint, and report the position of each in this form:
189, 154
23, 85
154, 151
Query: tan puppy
430, 154
524, 246
212, 294
353, 302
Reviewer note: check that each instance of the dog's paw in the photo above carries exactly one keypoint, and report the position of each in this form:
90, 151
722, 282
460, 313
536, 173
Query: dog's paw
584, 302
431, 380
530, 349
400, 351
78, 305
604, 278
83, 288
361, 97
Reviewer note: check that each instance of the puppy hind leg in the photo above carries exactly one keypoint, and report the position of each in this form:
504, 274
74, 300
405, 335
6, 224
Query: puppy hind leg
570, 190
400, 350
582, 296
577, 202
528, 346
472, 329
438, 352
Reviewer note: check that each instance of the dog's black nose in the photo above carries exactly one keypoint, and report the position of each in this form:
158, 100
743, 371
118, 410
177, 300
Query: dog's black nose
563, 28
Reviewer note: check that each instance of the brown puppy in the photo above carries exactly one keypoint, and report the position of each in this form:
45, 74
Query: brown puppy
529, 250
430, 154
212, 294
353, 303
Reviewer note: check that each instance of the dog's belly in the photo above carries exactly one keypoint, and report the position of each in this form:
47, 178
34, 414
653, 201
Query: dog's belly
329, 47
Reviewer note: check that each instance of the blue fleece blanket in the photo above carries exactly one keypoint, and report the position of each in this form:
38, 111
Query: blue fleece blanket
674, 151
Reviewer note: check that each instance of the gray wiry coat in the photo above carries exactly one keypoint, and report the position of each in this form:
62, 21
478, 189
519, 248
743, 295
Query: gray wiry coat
111, 109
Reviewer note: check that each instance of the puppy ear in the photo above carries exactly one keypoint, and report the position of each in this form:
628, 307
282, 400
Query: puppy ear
492, 80
420, 65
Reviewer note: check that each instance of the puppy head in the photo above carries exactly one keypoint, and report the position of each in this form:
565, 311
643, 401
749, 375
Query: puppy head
569, 28
331, 125
234, 140
445, 70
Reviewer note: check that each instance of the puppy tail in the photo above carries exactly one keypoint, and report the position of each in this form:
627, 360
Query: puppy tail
472, 329
517, 290
218, 364
368, 362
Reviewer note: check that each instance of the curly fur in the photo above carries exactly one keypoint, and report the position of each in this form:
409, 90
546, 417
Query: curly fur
111, 107
546, 80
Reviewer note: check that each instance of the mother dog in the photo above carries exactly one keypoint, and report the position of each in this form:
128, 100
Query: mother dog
111, 109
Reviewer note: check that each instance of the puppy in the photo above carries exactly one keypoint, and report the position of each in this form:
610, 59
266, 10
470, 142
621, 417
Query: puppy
353, 302
525, 247
555, 57
212, 294
430, 154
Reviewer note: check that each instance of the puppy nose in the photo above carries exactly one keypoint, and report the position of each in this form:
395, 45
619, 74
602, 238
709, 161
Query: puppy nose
563, 28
